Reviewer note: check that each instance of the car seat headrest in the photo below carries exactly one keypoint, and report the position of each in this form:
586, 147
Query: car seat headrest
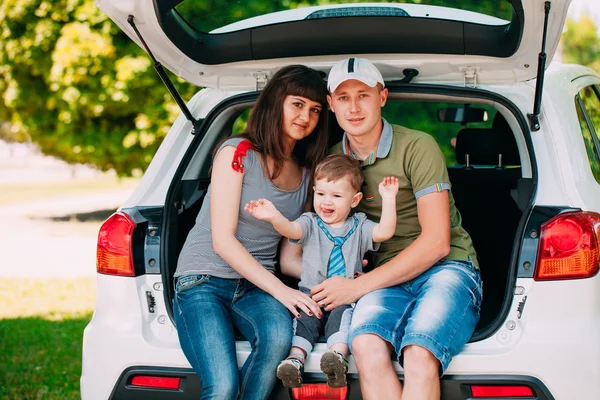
483, 146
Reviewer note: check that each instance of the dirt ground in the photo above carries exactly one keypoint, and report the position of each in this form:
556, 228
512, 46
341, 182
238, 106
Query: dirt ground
56, 237
43, 236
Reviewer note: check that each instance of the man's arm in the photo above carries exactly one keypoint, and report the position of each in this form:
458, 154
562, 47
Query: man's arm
432, 245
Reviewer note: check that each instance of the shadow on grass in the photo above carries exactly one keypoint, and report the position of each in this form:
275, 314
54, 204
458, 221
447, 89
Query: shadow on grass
41, 358
92, 216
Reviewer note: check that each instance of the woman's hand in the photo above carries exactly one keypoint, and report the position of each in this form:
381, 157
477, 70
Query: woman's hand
295, 300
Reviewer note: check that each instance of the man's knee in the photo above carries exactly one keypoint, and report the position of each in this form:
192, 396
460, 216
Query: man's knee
419, 360
370, 349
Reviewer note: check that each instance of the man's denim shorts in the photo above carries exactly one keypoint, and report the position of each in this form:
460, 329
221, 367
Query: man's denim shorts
437, 310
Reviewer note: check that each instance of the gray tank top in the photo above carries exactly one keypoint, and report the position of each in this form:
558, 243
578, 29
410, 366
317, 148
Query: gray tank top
258, 237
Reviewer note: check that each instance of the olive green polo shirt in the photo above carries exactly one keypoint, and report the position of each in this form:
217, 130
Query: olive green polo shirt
415, 158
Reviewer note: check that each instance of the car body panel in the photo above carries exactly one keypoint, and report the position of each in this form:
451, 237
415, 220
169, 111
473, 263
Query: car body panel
117, 339
580, 185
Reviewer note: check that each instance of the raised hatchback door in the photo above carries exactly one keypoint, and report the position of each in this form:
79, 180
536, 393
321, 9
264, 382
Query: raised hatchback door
237, 43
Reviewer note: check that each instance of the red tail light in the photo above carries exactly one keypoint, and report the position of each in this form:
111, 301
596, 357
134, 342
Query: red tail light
157, 382
480, 392
319, 391
569, 246
114, 255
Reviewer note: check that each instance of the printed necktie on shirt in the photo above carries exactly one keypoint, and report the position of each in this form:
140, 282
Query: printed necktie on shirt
336, 265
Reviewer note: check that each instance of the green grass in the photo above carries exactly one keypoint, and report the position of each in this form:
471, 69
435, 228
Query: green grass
18, 193
41, 328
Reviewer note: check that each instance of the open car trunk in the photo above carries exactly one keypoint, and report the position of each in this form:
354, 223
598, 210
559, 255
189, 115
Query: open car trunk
232, 45
492, 196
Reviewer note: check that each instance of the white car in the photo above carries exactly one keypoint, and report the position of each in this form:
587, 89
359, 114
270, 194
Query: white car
523, 156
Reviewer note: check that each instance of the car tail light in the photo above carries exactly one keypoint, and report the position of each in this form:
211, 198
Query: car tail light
114, 255
156, 382
481, 392
569, 246
319, 391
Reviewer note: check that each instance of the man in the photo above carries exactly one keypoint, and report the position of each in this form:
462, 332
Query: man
421, 301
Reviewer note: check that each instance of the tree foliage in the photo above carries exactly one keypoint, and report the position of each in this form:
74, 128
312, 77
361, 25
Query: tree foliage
581, 43
79, 87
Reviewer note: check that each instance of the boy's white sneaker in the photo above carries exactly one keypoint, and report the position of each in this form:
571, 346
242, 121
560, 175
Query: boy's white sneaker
290, 372
335, 366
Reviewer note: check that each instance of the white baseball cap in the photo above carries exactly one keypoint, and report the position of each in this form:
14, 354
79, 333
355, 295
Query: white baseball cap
360, 69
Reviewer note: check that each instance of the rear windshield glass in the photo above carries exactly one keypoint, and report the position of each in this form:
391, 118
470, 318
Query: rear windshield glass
232, 15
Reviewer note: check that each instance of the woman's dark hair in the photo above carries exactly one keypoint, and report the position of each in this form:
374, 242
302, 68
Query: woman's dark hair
265, 124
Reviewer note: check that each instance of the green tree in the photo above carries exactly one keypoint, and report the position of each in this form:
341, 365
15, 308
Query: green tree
79, 87
581, 44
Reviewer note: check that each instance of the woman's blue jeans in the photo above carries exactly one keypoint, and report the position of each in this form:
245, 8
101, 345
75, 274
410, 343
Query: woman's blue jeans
206, 310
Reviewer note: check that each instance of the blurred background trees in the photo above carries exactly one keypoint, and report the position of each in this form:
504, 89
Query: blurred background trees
79, 87
73, 83
581, 43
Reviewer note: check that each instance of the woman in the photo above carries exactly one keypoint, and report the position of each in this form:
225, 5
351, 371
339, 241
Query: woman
225, 271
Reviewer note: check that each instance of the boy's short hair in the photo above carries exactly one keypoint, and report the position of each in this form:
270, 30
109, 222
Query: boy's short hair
337, 166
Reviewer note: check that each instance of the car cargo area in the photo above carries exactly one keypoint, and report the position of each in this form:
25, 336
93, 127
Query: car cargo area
491, 187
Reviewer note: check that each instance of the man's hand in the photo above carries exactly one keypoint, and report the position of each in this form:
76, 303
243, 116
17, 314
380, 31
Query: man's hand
262, 209
388, 188
335, 292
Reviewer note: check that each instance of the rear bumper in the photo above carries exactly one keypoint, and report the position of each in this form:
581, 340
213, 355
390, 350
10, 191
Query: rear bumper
555, 344
452, 387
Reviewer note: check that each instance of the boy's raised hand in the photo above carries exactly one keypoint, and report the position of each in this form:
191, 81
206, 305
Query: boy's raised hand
262, 209
388, 188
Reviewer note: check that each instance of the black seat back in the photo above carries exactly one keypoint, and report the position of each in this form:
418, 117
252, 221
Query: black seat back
481, 186
489, 147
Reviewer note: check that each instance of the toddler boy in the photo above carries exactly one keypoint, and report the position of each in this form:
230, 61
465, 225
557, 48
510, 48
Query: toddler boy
333, 244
